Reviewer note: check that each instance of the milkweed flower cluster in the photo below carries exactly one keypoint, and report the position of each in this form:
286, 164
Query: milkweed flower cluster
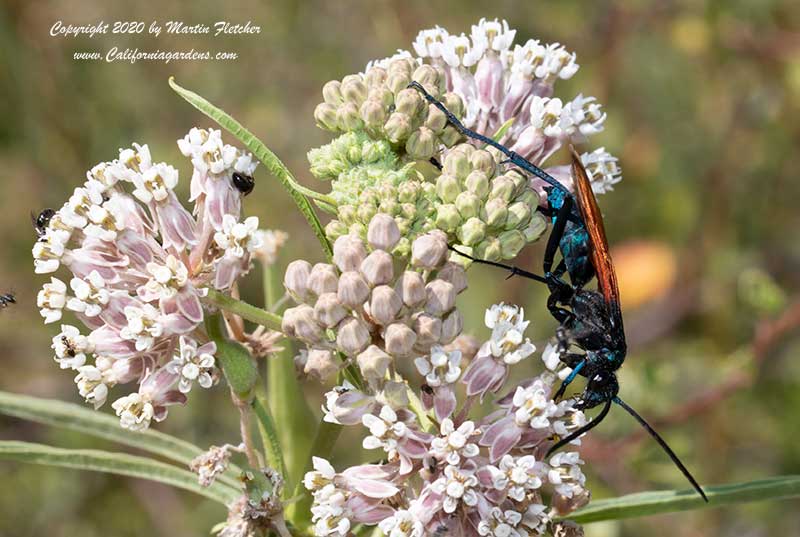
452, 475
140, 264
390, 136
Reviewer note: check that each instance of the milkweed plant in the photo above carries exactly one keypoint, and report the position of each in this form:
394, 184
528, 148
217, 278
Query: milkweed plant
144, 290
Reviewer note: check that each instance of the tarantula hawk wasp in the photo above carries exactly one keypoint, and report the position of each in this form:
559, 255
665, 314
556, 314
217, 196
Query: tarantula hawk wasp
590, 320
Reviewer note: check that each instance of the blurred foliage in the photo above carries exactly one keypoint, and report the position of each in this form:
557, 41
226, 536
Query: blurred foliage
703, 100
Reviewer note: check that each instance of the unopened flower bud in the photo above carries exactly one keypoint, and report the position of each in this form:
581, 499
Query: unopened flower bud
409, 102
441, 297
383, 232
450, 136
320, 364
454, 103
329, 310
428, 329
398, 81
374, 114
332, 92
511, 242
399, 339
518, 215
376, 76
455, 274
503, 188
348, 117
429, 77
296, 279
365, 212
468, 205
348, 252
452, 326
353, 289
496, 213
477, 182
385, 304
377, 268
410, 287
456, 163
326, 117
353, 89
352, 336
323, 279
299, 322
373, 363
472, 232
397, 127
421, 144
536, 227
467, 344
448, 188
489, 249
447, 217
428, 251
483, 161
436, 120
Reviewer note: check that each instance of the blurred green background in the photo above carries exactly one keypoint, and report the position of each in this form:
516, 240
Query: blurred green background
703, 102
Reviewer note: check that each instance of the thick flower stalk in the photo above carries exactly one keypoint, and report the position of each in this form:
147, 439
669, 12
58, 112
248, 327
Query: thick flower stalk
140, 264
487, 476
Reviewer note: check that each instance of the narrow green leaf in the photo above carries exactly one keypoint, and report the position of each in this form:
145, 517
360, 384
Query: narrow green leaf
114, 463
262, 153
238, 366
503, 129
654, 503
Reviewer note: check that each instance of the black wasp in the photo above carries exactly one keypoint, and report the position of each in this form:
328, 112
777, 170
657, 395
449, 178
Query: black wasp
40, 222
243, 183
590, 320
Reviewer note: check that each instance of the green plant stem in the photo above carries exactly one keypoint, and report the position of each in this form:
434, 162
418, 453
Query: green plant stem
243, 309
269, 436
299, 513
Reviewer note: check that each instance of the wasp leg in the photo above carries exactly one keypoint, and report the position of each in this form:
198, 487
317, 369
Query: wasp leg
589, 426
577, 363
512, 156
556, 234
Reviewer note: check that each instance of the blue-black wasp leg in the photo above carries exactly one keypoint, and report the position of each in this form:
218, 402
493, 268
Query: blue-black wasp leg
514, 271
661, 442
556, 234
577, 362
514, 157
436, 163
588, 427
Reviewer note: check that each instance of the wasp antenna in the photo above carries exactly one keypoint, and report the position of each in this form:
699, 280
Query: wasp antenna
588, 427
664, 446
513, 271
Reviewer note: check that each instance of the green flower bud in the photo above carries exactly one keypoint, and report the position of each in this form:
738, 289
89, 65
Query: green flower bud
536, 227
529, 197
374, 114
389, 207
503, 188
409, 102
347, 214
456, 163
489, 249
483, 161
366, 212
519, 214
517, 179
353, 89
375, 77
448, 188
477, 182
454, 103
511, 242
381, 95
408, 192
348, 117
468, 205
335, 229
450, 136
448, 218
431, 80
495, 213
472, 232
421, 144
436, 120
326, 117
397, 127
398, 81
332, 92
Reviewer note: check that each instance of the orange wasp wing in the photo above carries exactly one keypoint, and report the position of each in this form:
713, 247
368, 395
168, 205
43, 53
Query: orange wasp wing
593, 220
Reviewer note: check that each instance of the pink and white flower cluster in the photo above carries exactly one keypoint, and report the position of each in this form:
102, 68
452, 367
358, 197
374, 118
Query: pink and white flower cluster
446, 474
140, 265
500, 82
